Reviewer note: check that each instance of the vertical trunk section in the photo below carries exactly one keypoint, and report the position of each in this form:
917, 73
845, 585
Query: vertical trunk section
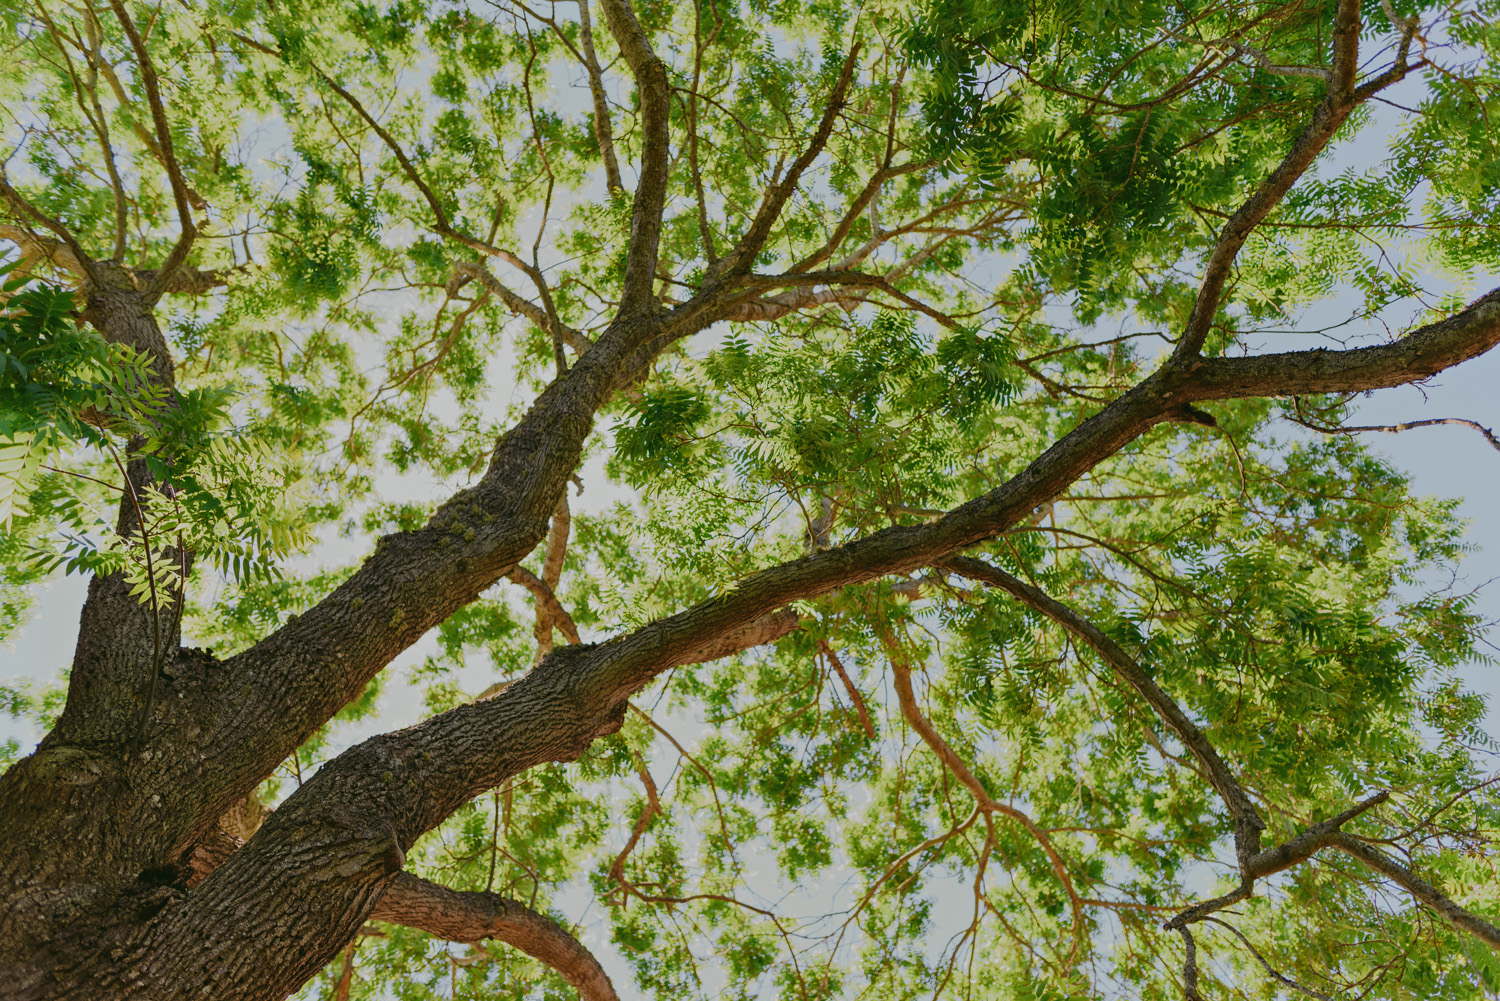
67, 811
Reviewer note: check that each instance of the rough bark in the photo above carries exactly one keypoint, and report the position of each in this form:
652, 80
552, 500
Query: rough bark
315, 871
103, 823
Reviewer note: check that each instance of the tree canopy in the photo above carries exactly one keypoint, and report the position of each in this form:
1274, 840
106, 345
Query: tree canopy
865, 496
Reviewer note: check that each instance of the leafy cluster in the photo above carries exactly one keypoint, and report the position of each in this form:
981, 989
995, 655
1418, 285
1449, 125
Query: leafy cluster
227, 497
1036, 185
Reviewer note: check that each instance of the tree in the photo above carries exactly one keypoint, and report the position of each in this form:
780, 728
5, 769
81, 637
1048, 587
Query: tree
1117, 644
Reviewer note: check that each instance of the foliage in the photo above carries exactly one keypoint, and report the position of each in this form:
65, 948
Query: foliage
224, 499
1055, 178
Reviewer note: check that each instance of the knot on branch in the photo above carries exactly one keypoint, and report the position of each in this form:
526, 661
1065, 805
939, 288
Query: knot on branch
1187, 414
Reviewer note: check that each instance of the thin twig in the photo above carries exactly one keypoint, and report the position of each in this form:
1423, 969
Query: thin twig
1489, 435
1276, 975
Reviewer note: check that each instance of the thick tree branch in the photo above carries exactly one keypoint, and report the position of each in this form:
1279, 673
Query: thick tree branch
1417, 887
636, 658
1189, 967
293, 680
1418, 355
454, 915
124, 645
35, 248
767, 629
388, 791
332, 857
473, 916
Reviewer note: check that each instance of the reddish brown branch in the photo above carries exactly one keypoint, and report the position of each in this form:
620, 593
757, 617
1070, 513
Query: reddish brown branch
901, 674
652, 810
547, 603
474, 915
851, 688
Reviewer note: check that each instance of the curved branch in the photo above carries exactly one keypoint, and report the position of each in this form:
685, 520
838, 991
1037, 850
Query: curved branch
547, 603
651, 811
454, 915
901, 673
850, 687
472, 916
1275, 974
67, 253
1489, 435
1254, 863
1247, 820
